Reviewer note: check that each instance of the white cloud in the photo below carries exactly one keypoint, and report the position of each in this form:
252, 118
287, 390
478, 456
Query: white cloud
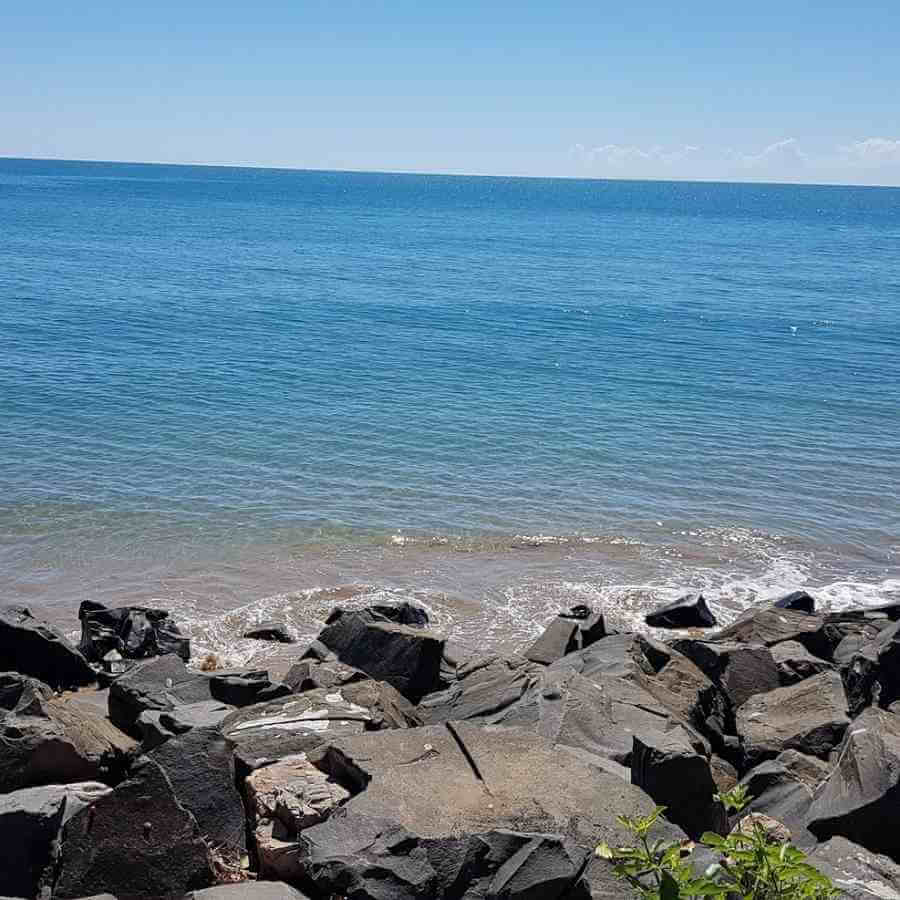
874, 151
776, 157
623, 157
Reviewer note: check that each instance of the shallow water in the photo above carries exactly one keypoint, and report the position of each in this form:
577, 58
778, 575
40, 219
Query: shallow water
225, 390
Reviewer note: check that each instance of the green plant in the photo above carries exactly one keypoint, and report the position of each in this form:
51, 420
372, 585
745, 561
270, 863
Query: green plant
751, 865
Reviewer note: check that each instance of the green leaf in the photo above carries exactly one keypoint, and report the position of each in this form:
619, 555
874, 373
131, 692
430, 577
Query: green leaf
711, 839
668, 888
604, 851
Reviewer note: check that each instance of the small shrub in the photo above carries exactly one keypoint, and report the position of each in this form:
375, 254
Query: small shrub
751, 865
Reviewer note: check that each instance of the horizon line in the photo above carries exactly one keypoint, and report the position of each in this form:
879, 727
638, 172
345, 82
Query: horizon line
429, 174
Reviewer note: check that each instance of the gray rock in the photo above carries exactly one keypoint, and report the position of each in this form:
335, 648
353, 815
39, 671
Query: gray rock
157, 726
689, 611
448, 810
270, 631
135, 632
859, 800
309, 674
30, 824
797, 601
810, 716
857, 873
161, 683
676, 776
200, 767
33, 647
267, 732
771, 626
388, 644
483, 687
740, 670
872, 676
795, 663
244, 687
46, 739
136, 842
568, 632
249, 890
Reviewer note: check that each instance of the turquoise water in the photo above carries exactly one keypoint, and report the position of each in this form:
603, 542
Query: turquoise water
218, 385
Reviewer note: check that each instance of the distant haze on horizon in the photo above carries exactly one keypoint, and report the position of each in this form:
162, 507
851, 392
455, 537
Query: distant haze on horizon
651, 91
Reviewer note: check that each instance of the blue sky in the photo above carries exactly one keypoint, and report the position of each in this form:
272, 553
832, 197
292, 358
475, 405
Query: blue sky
770, 91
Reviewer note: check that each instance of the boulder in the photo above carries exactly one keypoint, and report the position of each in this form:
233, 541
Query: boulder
676, 776
771, 626
482, 687
795, 663
244, 687
309, 674
782, 788
740, 670
284, 798
872, 676
459, 810
157, 726
249, 890
276, 632
797, 601
857, 873
30, 824
603, 715
267, 732
200, 767
21, 694
161, 683
136, 842
724, 774
810, 716
33, 647
136, 632
667, 675
46, 739
387, 643
860, 800
689, 611
569, 631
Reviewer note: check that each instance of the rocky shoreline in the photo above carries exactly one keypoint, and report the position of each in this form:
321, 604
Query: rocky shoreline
391, 764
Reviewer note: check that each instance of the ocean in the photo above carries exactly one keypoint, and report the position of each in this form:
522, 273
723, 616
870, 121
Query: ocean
242, 394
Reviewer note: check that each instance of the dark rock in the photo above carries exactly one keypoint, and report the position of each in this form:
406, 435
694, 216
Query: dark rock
872, 676
30, 824
771, 626
603, 715
483, 687
244, 687
157, 726
670, 677
724, 774
676, 776
270, 631
453, 810
740, 670
568, 632
46, 739
380, 641
855, 872
33, 647
859, 800
161, 683
689, 611
309, 674
21, 694
200, 767
797, 601
137, 842
268, 732
249, 890
783, 788
795, 663
136, 632
810, 716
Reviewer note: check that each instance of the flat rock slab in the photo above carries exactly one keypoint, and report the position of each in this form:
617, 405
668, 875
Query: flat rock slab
249, 890
810, 716
771, 626
34, 647
136, 842
568, 632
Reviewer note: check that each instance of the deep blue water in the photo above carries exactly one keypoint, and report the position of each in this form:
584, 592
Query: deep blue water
196, 358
